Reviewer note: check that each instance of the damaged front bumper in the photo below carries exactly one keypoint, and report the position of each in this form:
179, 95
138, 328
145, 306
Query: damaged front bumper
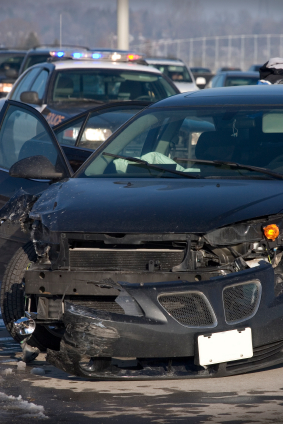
150, 330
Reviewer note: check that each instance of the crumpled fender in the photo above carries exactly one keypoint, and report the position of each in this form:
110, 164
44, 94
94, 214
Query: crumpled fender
17, 209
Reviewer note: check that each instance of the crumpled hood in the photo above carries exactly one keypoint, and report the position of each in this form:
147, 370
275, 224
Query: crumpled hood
101, 205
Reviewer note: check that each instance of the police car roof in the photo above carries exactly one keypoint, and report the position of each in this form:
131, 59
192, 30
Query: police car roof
92, 64
165, 61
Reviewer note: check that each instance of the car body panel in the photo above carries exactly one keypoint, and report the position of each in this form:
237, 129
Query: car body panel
195, 206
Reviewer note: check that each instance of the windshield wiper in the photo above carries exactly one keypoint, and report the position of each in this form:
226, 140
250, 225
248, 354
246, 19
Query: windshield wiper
81, 99
234, 165
149, 165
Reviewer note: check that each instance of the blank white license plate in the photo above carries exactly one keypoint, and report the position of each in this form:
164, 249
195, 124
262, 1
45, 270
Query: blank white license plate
225, 346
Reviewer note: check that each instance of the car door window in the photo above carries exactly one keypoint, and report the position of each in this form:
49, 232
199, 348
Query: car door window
24, 84
67, 135
40, 83
23, 134
101, 125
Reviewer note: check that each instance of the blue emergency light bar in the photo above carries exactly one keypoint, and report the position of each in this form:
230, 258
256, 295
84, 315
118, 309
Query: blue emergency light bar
98, 55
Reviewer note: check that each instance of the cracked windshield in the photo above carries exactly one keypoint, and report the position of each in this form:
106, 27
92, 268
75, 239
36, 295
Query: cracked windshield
201, 143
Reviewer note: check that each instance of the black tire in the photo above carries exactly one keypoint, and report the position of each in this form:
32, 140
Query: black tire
13, 299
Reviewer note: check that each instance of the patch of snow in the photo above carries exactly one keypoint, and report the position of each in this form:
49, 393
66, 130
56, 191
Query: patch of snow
21, 365
7, 371
38, 371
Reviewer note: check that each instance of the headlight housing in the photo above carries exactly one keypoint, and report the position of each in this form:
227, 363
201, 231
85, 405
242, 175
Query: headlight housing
243, 232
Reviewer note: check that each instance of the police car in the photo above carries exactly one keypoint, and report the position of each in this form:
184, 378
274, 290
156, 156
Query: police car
10, 62
72, 82
176, 70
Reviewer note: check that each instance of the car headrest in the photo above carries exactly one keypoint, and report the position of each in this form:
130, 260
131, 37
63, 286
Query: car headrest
213, 145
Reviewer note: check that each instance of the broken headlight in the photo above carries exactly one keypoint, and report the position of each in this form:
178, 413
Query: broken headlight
243, 232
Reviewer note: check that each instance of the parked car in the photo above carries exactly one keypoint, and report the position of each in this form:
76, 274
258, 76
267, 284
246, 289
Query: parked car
255, 68
77, 81
200, 70
162, 255
40, 54
176, 70
202, 76
10, 62
227, 69
233, 78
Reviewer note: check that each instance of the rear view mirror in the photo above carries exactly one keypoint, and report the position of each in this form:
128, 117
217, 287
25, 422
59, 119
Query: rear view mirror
35, 167
30, 97
200, 81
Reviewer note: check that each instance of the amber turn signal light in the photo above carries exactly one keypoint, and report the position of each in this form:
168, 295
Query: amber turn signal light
271, 232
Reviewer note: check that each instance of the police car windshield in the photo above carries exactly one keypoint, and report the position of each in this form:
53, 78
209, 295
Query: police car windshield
175, 73
109, 85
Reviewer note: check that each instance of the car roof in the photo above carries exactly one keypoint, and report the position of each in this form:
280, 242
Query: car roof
49, 48
164, 61
247, 95
12, 51
239, 74
93, 64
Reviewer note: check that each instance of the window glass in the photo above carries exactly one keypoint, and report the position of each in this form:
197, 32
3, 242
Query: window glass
109, 85
10, 61
101, 125
236, 81
35, 59
24, 84
189, 141
68, 134
177, 73
23, 135
40, 83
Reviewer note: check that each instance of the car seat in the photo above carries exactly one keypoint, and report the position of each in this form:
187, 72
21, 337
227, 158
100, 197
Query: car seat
216, 145
65, 87
133, 89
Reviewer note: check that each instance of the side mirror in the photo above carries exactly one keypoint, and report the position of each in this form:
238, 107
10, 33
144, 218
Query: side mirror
30, 97
11, 73
35, 167
200, 81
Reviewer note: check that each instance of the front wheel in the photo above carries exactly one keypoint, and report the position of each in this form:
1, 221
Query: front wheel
13, 300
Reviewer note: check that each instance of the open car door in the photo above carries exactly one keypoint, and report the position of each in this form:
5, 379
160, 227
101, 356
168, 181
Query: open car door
24, 132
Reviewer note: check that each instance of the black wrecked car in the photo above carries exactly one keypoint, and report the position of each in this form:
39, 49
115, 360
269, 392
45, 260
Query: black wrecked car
162, 255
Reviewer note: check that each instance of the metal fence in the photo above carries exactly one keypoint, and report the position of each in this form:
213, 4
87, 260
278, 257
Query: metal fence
214, 52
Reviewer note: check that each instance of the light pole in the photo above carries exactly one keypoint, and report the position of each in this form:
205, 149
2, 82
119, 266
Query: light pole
123, 24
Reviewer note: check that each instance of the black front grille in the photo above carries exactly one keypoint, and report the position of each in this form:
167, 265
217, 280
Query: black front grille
100, 303
191, 309
241, 301
125, 259
262, 354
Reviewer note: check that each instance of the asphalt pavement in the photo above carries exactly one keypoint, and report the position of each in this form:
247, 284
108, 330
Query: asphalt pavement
56, 397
